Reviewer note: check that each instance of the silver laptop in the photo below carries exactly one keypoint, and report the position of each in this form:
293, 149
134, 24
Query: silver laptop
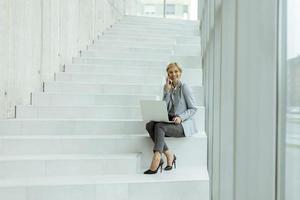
154, 110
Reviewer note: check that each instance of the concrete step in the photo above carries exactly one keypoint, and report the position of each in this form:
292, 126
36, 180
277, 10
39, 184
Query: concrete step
119, 61
98, 69
124, 54
187, 50
68, 165
71, 127
57, 99
150, 37
108, 88
139, 44
176, 185
128, 49
156, 28
78, 112
117, 67
171, 33
117, 88
156, 20
112, 78
195, 40
159, 30
179, 49
187, 61
190, 61
106, 144
157, 25
126, 70
88, 112
112, 32
135, 38
192, 76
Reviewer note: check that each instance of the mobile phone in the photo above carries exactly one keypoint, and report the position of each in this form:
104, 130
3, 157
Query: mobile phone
169, 80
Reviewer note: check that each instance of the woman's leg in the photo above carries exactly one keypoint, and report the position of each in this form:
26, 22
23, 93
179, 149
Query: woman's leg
155, 160
157, 132
157, 156
170, 157
169, 130
163, 129
150, 128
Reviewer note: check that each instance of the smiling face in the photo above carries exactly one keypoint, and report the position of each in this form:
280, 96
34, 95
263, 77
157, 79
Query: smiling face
174, 74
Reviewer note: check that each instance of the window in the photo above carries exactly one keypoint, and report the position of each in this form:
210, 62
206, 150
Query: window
149, 10
170, 9
292, 105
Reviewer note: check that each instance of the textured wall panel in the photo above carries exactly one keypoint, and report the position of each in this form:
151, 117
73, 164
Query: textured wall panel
37, 37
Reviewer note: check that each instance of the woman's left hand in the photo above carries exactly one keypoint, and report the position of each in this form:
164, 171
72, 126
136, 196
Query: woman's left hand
177, 120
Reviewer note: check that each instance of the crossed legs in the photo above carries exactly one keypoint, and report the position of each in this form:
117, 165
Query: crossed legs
158, 131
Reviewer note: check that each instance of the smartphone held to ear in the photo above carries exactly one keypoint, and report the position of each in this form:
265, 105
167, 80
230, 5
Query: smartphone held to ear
169, 80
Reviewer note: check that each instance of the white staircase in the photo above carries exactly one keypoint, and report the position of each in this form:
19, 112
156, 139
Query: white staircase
83, 137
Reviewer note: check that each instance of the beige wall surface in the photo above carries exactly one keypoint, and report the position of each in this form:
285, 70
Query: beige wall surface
37, 37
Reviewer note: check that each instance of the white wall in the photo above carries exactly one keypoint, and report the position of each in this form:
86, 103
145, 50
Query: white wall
239, 40
38, 36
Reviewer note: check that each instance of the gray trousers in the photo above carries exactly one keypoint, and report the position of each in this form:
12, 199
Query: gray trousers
159, 130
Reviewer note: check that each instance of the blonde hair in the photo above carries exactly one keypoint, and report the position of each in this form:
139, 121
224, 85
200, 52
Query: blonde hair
174, 64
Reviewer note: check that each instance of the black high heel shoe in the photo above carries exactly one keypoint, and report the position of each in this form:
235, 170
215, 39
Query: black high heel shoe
149, 171
167, 168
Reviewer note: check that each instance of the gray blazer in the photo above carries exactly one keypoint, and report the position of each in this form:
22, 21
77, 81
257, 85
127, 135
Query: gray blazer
184, 106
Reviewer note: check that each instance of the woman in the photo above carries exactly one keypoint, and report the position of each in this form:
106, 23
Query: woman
181, 108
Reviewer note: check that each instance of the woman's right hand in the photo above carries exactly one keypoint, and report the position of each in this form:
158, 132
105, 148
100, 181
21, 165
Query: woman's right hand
168, 84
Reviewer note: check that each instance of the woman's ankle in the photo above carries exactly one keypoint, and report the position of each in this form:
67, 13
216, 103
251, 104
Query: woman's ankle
168, 153
170, 156
157, 155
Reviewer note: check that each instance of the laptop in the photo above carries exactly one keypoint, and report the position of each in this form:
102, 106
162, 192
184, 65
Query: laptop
154, 110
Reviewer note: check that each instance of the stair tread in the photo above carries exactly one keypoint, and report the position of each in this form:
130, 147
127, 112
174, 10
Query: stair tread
135, 17
151, 36
68, 156
68, 119
113, 83
120, 59
134, 67
95, 94
114, 136
106, 74
177, 175
82, 106
89, 106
